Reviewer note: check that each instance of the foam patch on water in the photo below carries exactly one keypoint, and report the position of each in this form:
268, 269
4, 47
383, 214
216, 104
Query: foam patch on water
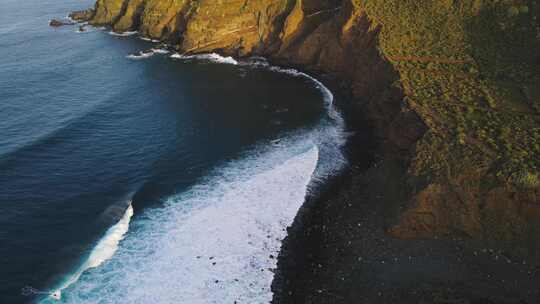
218, 242
212, 57
104, 250
330, 135
141, 55
215, 243
85, 28
147, 54
149, 39
160, 51
337, 128
123, 34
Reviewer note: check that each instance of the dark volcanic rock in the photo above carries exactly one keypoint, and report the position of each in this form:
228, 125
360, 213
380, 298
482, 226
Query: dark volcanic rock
57, 23
82, 16
427, 77
425, 95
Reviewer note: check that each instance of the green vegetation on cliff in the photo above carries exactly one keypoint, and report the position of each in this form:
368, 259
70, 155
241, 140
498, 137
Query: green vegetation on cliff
471, 70
465, 72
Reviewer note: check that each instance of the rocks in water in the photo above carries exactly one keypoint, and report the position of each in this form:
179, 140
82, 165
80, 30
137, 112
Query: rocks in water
57, 23
341, 37
76, 17
82, 16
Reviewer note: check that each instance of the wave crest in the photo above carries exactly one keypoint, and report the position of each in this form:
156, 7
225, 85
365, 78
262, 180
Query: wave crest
218, 242
215, 243
123, 34
148, 54
103, 251
212, 57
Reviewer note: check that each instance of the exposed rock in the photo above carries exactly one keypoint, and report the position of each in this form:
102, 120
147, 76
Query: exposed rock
430, 85
82, 16
57, 23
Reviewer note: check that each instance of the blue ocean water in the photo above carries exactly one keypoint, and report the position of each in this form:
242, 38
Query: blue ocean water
119, 175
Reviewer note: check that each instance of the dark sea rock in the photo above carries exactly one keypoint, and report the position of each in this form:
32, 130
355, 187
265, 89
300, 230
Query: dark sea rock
58, 23
82, 16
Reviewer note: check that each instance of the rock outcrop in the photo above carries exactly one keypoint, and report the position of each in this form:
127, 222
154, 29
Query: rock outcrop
57, 23
83, 15
449, 86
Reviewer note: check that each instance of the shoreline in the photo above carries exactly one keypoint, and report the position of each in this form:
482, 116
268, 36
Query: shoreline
338, 251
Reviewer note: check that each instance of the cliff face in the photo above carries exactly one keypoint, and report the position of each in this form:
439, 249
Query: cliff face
451, 88
331, 36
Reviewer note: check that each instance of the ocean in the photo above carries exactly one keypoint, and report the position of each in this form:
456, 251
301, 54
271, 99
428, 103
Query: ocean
132, 174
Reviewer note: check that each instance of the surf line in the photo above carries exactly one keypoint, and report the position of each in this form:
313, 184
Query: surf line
104, 250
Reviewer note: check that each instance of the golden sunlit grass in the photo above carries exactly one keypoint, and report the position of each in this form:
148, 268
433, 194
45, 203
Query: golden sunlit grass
471, 69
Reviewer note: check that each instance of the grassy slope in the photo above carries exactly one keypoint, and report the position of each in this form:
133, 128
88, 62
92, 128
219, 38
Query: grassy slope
471, 70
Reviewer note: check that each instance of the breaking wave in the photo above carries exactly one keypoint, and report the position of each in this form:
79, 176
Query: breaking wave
217, 242
330, 134
123, 34
212, 57
147, 54
141, 55
160, 51
103, 251
148, 39
82, 29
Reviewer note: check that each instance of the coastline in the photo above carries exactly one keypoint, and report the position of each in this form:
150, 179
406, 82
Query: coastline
338, 251
468, 140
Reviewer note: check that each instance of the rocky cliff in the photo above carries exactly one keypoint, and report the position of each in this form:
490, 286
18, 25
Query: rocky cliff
450, 87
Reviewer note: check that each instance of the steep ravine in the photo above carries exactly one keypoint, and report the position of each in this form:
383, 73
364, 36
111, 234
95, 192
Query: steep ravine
450, 89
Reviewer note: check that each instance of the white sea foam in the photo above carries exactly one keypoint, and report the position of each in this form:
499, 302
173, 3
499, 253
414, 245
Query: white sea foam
215, 243
141, 55
104, 250
147, 54
212, 57
85, 29
160, 51
123, 34
218, 241
68, 17
330, 135
148, 39
261, 62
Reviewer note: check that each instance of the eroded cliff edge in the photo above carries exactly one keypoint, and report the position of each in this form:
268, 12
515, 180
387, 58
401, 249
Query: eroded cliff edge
452, 89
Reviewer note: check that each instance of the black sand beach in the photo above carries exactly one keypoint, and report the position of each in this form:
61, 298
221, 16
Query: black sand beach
337, 250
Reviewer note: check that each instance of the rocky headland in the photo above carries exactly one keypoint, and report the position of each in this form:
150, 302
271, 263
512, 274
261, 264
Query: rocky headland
451, 92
